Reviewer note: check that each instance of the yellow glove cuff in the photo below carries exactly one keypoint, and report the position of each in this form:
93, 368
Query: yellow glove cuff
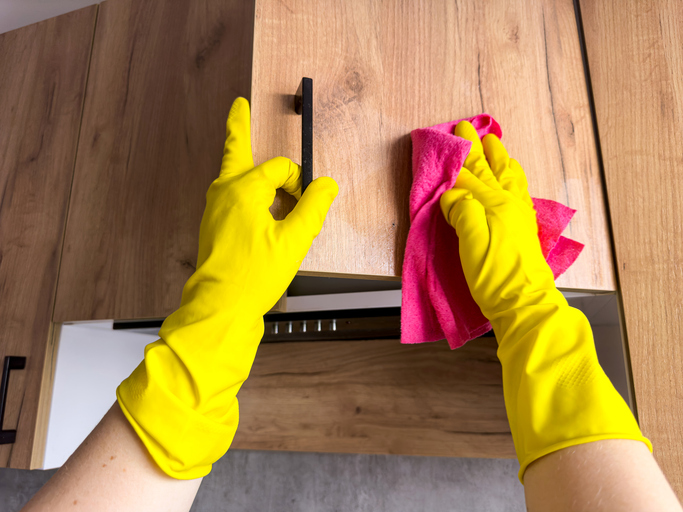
183, 442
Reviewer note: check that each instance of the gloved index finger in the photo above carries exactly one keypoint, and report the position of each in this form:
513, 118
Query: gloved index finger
499, 160
237, 156
507, 170
281, 172
476, 160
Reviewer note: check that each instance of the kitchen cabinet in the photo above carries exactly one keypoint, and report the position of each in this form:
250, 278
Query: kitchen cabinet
378, 396
361, 396
126, 124
635, 58
382, 69
43, 69
353, 395
164, 74
161, 82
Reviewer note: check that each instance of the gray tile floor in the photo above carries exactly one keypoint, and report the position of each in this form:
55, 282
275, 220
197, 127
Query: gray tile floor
249, 481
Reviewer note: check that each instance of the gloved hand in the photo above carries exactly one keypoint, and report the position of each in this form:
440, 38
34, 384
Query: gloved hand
556, 393
181, 400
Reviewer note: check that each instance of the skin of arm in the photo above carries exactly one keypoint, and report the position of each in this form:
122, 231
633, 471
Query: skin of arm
112, 471
615, 475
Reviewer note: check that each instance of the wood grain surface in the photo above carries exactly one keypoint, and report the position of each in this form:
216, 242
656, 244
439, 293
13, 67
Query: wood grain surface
42, 83
376, 396
635, 56
162, 79
382, 69
45, 400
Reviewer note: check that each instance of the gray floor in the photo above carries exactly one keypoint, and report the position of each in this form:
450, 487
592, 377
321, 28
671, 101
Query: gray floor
248, 481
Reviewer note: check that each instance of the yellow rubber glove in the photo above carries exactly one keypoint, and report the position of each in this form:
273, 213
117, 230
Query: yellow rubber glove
181, 400
556, 393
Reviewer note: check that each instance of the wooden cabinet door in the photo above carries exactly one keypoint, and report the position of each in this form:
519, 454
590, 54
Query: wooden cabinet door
42, 83
162, 79
636, 66
382, 69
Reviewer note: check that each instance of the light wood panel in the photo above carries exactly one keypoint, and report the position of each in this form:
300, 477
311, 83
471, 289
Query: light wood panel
162, 80
382, 69
376, 396
44, 68
45, 400
635, 54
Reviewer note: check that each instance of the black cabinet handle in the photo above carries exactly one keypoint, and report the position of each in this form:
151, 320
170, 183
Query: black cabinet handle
11, 363
303, 105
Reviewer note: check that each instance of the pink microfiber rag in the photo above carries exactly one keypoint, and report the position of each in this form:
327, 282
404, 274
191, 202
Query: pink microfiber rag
436, 301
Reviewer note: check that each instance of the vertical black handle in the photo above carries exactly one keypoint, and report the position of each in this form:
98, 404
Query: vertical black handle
303, 105
11, 363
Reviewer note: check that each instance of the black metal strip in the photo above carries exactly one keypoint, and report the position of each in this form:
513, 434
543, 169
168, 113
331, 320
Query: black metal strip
303, 104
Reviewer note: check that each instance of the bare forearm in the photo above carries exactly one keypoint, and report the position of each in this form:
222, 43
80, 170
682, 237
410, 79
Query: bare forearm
112, 471
604, 476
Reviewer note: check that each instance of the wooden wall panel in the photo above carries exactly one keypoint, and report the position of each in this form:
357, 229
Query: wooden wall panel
164, 75
635, 55
162, 79
42, 83
381, 69
376, 396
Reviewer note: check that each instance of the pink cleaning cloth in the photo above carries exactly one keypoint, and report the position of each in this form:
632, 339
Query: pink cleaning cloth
436, 301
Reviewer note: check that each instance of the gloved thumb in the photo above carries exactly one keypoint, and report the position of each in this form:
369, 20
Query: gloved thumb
305, 221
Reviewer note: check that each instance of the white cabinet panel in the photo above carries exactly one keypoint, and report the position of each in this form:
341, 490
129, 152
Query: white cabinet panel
92, 360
